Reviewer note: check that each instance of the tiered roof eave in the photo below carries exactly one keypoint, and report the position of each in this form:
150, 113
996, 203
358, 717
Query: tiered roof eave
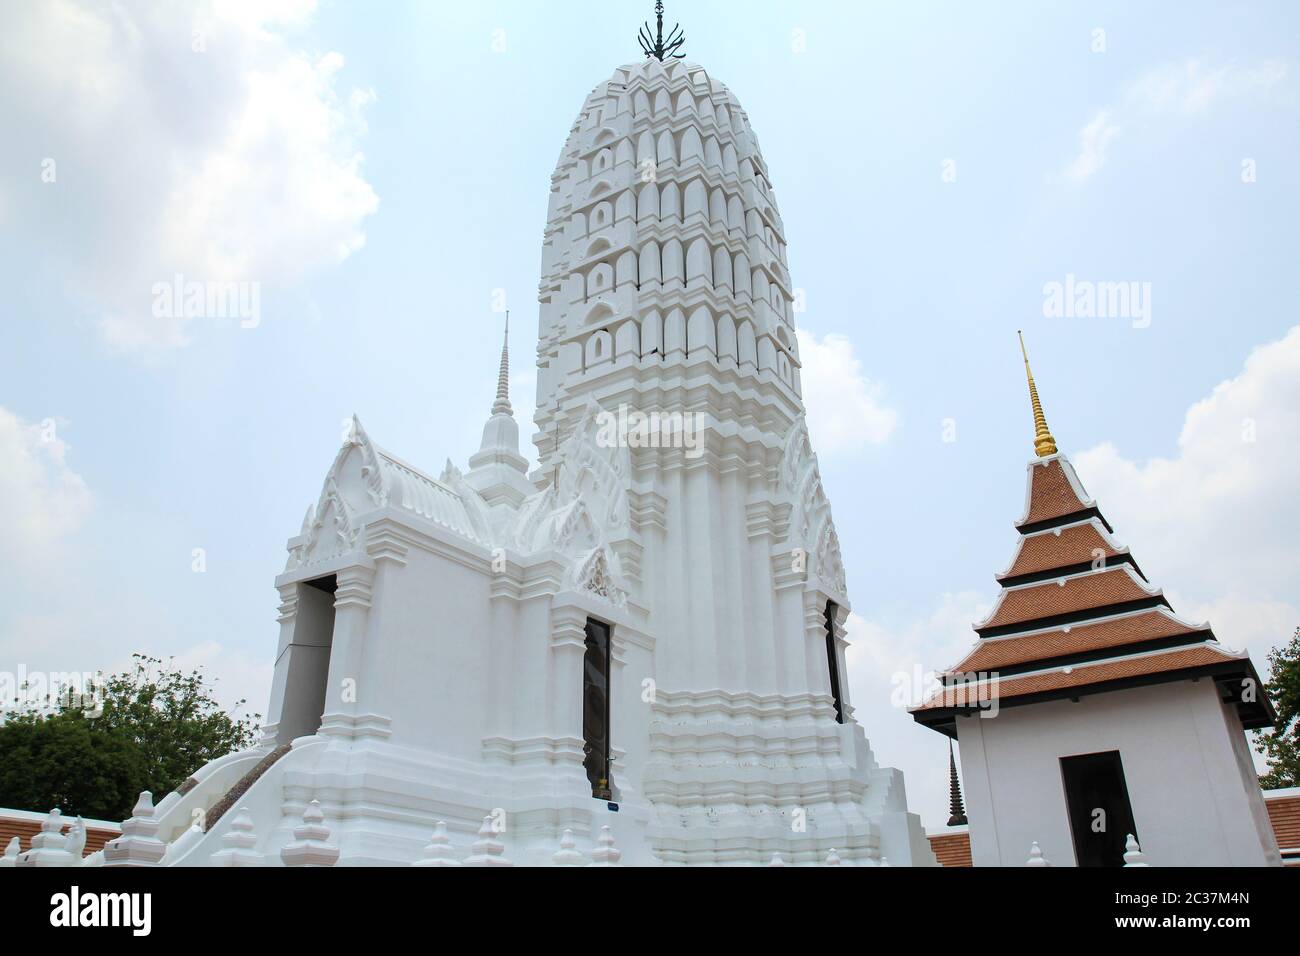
1076, 616
1088, 525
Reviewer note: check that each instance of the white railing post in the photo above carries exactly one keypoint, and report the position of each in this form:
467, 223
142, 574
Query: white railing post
487, 849
606, 854
311, 844
139, 844
568, 853
1133, 855
50, 846
438, 852
238, 842
1036, 857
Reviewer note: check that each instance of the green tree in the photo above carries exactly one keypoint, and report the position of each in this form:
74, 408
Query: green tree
147, 728
1282, 746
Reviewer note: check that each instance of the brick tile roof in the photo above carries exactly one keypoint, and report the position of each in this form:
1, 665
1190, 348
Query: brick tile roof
1284, 815
1094, 615
992, 654
1048, 550
951, 849
1082, 593
1050, 493
1080, 675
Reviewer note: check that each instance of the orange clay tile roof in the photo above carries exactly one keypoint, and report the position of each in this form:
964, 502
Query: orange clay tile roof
951, 849
1076, 594
1284, 814
1050, 493
1048, 550
991, 654
24, 829
1081, 675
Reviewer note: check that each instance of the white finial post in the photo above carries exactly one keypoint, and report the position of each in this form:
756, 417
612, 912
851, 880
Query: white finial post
237, 843
438, 852
568, 854
605, 854
776, 860
1133, 855
50, 846
487, 849
832, 858
139, 844
1036, 857
11, 853
311, 844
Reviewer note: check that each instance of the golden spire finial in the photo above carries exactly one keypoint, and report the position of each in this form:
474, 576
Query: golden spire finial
1044, 443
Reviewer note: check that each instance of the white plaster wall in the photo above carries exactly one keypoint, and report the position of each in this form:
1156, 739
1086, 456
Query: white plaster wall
1191, 803
427, 666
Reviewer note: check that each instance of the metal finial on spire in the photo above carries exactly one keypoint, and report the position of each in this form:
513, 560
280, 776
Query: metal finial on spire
1044, 443
502, 403
955, 807
656, 45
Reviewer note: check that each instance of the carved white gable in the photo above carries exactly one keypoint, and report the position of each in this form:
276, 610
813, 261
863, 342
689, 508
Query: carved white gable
811, 525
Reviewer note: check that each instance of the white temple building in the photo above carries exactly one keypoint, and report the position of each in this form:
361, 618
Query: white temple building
634, 654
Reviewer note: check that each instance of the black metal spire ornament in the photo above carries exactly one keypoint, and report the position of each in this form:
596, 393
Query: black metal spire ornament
658, 46
958, 818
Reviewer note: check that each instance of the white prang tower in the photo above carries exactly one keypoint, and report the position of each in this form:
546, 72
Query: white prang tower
644, 634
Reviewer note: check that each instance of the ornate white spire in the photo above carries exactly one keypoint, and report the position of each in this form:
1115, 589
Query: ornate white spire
502, 404
497, 471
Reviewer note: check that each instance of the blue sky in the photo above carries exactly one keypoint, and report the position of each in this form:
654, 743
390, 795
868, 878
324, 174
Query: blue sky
382, 170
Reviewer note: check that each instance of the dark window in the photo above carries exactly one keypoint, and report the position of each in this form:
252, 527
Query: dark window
1097, 800
833, 660
595, 709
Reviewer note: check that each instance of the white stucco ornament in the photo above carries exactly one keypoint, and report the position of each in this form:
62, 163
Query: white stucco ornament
139, 844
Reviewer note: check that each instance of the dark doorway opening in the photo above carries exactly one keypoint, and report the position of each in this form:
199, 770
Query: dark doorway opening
309, 660
595, 709
1101, 817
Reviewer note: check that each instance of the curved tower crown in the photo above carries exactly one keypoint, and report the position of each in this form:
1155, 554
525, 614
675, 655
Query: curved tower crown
663, 243
678, 474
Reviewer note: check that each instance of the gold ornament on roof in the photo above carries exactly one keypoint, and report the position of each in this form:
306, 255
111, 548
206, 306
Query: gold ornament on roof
1044, 443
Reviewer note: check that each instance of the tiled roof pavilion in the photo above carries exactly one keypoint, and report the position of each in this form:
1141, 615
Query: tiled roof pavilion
1077, 616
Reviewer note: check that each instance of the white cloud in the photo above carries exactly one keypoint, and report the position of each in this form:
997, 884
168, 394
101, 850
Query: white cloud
71, 637
42, 500
1217, 525
1169, 92
231, 675
188, 138
890, 665
1094, 145
846, 410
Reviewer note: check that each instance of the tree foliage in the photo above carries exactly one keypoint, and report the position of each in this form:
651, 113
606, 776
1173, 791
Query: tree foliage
1282, 746
147, 728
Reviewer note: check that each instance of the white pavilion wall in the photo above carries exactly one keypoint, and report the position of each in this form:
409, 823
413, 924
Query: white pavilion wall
1191, 803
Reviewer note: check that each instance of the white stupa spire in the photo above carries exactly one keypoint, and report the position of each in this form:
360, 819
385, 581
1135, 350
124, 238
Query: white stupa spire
497, 471
502, 404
